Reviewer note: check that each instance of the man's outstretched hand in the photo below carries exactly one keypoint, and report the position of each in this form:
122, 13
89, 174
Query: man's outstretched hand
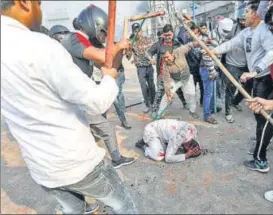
112, 72
124, 44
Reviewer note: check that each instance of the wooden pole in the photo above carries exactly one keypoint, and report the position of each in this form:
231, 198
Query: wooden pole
110, 34
125, 28
221, 66
147, 15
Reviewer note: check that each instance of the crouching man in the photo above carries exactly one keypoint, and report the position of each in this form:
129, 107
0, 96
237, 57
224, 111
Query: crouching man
177, 75
171, 139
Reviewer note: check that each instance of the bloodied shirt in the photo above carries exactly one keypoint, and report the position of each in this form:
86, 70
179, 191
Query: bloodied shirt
171, 132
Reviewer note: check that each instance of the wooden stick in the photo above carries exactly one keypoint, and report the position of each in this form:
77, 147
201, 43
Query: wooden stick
147, 15
221, 66
125, 28
110, 34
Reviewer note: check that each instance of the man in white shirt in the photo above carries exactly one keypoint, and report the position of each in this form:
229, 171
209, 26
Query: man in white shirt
46, 101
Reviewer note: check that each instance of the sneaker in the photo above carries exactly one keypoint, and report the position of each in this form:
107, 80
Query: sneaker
238, 107
145, 109
260, 166
123, 161
194, 115
269, 195
186, 106
140, 144
91, 208
211, 120
125, 125
229, 118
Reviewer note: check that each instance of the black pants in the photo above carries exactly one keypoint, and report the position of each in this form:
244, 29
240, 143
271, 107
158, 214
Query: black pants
146, 81
262, 87
197, 79
230, 89
248, 86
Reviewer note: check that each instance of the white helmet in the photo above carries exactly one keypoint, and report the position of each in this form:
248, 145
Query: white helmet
224, 27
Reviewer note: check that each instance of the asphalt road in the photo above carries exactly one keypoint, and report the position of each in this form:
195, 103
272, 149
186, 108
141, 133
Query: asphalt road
216, 182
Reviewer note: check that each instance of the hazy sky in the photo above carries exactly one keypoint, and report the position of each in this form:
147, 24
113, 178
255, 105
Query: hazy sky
124, 8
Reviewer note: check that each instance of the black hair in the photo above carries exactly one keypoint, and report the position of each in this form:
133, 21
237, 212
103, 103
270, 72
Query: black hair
254, 4
194, 27
5, 4
269, 16
167, 28
159, 33
203, 24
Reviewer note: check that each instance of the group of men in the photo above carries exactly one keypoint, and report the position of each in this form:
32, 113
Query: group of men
57, 112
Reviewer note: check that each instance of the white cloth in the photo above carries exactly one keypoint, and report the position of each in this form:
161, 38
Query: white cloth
172, 132
45, 99
188, 89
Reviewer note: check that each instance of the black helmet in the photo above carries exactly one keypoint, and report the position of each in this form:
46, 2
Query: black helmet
76, 25
58, 29
135, 25
94, 22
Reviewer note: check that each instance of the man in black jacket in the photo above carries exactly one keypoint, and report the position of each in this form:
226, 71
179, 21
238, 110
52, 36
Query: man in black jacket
160, 48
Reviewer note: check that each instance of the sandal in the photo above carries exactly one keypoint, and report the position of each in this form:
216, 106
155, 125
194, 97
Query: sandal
211, 120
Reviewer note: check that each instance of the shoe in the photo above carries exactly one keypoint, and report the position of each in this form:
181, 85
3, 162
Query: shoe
194, 115
145, 109
269, 195
211, 120
91, 208
238, 107
140, 144
125, 125
186, 106
123, 161
229, 118
260, 166
218, 109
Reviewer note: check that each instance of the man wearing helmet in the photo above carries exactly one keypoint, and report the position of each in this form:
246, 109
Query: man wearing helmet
171, 139
85, 46
47, 112
58, 32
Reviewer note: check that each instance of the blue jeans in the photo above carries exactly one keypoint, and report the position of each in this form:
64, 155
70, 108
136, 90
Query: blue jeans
208, 100
103, 184
119, 103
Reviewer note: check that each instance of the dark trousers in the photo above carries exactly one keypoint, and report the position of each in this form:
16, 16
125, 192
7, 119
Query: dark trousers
197, 79
248, 86
230, 89
262, 87
146, 80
